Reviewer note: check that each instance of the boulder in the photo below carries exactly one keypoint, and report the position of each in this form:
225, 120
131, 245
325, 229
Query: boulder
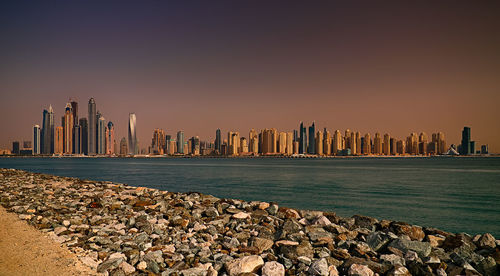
273, 268
423, 249
360, 270
248, 264
319, 267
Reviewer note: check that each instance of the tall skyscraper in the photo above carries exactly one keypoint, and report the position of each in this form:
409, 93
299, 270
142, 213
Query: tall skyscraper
180, 142
352, 144
84, 136
289, 143
465, 147
132, 135
367, 146
68, 129
101, 134
123, 146
386, 148
327, 142
303, 139
36, 139
110, 138
319, 142
312, 140
377, 144
74, 108
218, 142
92, 125
337, 142
47, 137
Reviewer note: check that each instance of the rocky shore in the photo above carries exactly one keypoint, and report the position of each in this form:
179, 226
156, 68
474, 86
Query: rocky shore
118, 229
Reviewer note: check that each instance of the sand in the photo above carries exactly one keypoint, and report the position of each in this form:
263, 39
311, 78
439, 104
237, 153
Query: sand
25, 250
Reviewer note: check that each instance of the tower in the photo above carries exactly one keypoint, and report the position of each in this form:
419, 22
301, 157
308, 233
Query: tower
218, 141
92, 125
180, 142
47, 135
68, 129
36, 139
132, 135
312, 140
110, 138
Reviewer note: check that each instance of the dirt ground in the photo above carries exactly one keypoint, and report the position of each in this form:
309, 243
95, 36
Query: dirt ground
26, 251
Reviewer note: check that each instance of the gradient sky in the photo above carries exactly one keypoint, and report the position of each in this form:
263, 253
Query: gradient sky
395, 67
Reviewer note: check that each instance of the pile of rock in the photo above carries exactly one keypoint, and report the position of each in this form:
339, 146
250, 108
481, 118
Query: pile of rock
121, 230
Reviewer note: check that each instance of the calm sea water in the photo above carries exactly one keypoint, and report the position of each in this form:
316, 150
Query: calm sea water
453, 194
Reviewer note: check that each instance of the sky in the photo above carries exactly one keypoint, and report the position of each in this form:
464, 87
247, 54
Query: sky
371, 66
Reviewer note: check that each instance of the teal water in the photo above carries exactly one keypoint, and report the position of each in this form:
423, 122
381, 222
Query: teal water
453, 194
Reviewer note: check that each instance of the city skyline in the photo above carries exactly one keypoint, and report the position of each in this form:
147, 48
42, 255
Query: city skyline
184, 68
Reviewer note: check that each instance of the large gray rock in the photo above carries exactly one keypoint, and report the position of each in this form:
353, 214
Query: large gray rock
360, 270
377, 240
423, 249
319, 267
249, 264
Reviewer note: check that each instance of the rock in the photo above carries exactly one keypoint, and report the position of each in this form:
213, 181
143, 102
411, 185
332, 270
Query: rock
305, 260
195, 271
109, 264
364, 221
377, 240
127, 268
142, 265
263, 205
399, 270
248, 264
322, 220
294, 251
359, 270
89, 262
423, 249
435, 241
332, 271
273, 209
319, 267
273, 268
487, 241
392, 259
59, 230
286, 243
211, 212
241, 215
262, 244
413, 232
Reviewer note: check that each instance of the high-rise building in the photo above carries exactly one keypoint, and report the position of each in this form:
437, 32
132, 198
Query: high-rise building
337, 142
16, 149
400, 147
302, 139
101, 134
367, 145
218, 141
123, 146
74, 109
243, 145
392, 144
59, 140
36, 139
68, 129
233, 139
347, 140
110, 138
312, 140
422, 143
289, 143
84, 137
386, 148
319, 142
353, 145
77, 136
465, 147
358, 142
282, 143
377, 144
133, 147
47, 137
158, 141
92, 128
180, 142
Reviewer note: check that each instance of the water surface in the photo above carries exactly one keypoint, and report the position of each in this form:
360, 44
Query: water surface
453, 194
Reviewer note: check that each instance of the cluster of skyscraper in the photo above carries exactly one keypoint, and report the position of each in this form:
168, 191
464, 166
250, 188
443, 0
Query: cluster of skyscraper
88, 136
305, 141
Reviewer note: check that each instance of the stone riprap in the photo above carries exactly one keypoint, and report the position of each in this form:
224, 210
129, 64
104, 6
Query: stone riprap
118, 229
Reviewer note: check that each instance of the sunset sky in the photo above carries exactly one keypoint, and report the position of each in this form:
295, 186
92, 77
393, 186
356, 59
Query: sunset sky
395, 67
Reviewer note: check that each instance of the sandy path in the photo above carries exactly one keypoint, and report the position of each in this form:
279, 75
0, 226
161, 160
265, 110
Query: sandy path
26, 251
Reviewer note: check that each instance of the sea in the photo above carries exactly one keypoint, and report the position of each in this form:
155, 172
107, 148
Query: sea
456, 194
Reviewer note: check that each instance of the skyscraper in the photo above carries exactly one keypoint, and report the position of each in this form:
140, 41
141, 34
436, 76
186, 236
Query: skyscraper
47, 137
180, 142
312, 140
84, 130
110, 138
289, 143
58, 140
387, 144
377, 144
337, 142
74, 108
319, 142
218, 142
132, 135
302, 139
68, 129
36, 139
327, 142
367, 146
465, 147
282, 143
123, 146
92, 125
77, 136
101, 134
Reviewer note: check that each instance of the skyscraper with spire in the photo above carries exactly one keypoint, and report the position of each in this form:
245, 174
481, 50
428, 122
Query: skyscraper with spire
218, 142
68, 129
92, 125
312, 140
302, 139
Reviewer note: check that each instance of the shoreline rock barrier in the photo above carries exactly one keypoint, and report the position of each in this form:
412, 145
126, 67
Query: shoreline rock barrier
117, 229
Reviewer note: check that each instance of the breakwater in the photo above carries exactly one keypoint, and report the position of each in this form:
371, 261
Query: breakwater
119, 229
